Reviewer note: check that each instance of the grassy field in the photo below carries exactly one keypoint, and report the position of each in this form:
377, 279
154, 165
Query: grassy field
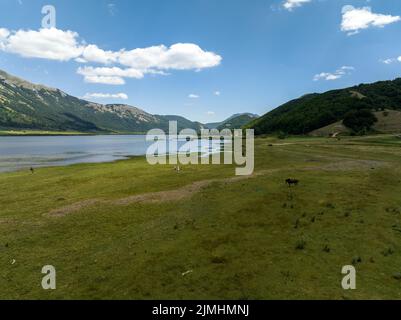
39, 133
128, 230
19, 133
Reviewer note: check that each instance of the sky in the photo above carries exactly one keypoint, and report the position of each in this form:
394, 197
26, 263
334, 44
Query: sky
201, 59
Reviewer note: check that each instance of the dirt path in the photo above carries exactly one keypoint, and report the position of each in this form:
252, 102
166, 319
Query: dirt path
195, 187
153, 197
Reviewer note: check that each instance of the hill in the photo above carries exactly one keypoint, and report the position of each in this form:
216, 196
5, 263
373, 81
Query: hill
28, 106
314, 111
236, 121
388, 121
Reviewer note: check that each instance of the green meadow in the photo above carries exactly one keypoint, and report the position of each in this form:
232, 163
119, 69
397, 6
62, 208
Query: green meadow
128, 230
39, 133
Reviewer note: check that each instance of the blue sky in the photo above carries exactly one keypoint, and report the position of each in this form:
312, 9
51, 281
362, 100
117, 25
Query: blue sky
210, 58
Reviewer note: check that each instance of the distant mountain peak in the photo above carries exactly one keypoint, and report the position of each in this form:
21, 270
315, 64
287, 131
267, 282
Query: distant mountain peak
236, 121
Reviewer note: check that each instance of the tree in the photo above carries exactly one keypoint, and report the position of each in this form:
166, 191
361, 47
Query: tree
359, 121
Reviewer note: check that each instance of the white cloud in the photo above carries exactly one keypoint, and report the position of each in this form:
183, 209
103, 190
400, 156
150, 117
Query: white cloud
93, 54
180, 56
291, 4
55, 44
217, 93
105, 75
112, 9
399, 59
4, 33
210, 113
122, 96
193, 96
105, 80
339, 73
388, 61
52, 44
356, 19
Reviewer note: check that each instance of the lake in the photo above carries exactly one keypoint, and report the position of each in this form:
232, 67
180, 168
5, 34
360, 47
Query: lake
41, 151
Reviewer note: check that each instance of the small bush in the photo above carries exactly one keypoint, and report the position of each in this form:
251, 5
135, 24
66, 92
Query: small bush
330, 206
388, 252
397, 276
218, 259
326, 248
282, 135
300, 245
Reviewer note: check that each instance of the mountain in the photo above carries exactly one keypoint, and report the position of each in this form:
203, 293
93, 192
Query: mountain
314, 111
236, 121
28, 106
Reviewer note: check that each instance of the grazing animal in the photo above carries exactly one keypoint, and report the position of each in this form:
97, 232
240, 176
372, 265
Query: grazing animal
291, 182
32, 170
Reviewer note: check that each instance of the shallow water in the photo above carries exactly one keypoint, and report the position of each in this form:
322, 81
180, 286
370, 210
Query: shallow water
41, 151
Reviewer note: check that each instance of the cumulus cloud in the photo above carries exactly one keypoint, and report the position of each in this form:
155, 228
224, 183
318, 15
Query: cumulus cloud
291, 4
4, 33
338, 74
180, 56
92, 53
108, 75
193, 96
210, 113
122, 96
55, 44
217, 93
356, 19
52, 44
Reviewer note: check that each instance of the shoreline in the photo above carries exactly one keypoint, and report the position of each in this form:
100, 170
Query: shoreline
63, 134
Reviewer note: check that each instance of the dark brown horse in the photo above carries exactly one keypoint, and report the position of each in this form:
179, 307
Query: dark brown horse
291, 182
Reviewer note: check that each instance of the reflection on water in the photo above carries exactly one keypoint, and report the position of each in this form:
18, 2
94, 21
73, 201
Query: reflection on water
25, 152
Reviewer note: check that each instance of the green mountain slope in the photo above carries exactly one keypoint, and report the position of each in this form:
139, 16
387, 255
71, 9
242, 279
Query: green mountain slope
27, 106
388, 121
236, 121
314, 111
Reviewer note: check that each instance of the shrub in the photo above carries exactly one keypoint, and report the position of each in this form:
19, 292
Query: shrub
300, 245
356, 260
388, 252
360, 121
282, 135
326, 248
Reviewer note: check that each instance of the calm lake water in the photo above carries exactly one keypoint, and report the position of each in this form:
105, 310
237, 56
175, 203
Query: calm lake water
24, 152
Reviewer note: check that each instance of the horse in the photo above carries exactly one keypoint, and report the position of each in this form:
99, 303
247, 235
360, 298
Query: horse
291, 182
